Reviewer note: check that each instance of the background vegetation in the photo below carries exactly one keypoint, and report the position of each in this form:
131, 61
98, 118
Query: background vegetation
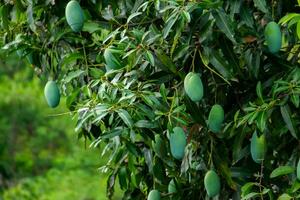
40, 156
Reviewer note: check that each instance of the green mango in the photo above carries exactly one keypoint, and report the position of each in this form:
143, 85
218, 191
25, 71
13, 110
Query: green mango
258, 147
193, 86
273, 37
177, 143
216, 118
298, 170
52, 94
212, 183
159, 146
112, 58
172, 187
74, 16
154, 195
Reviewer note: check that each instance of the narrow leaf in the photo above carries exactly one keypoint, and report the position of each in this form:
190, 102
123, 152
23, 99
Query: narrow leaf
286, 115
225, 24
261, 5
125, 117
281, 171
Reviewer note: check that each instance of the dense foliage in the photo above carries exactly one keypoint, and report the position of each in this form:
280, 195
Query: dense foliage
124, 73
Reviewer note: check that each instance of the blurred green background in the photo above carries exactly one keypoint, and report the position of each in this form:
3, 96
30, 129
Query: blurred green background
40, 155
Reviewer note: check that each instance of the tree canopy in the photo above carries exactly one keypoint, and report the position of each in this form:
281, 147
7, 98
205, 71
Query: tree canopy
133, 75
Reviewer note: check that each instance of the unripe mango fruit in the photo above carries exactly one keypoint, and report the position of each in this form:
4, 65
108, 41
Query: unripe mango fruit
193, 86
52, 94
258, 147
154, 195
212, 183
112, 58
177, 143
273, 37
216, 118
74, 16
298, 170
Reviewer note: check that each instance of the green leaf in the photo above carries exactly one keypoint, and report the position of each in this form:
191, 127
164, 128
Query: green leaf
91, 27
169, 24
220, 65
293, 21
235, 7
122, 175
231, 57
166, 61
261, 5
30, 19
71, 58
251, 195
287, 18
287, 118
296, 186
246, 189
96, 73
259, 91
207, 4
281, 171
4, 14
295, 100
225, 24
253, 61
261, 121
72, 75
113, 133
163, 92
125, 117
145, 124
285, 197
148, 159
133, 15
150, 57
298, 29
246, 15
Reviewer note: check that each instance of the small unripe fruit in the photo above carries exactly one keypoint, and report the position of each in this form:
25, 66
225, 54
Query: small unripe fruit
52, 94
212, 183
177, 143
216, 118
74, 16
273, 37
193, 86
258, 148
154, 195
